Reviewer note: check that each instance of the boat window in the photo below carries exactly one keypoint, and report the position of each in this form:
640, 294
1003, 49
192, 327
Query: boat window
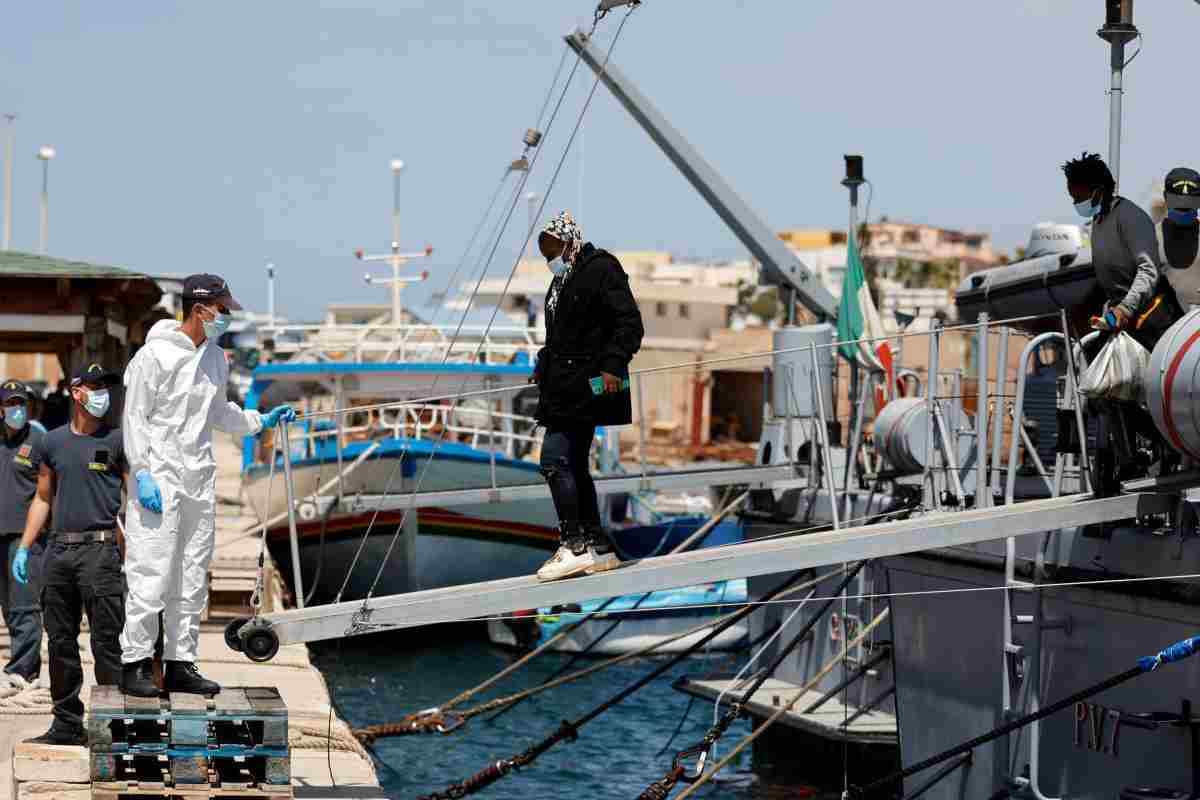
684, 311
660, 309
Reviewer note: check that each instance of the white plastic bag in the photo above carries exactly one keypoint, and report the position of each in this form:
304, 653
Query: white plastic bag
1116, 374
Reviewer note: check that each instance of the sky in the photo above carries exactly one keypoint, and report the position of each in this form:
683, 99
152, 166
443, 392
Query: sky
219, 136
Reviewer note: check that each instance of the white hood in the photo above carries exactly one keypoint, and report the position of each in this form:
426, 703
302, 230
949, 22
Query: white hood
169, 331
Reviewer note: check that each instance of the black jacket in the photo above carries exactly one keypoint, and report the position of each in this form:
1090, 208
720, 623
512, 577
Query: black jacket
595, 327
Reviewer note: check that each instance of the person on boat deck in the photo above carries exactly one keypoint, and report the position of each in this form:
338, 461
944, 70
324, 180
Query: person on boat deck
1138, 298
175, 396
593, 329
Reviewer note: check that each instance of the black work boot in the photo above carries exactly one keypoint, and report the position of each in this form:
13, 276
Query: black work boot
61, 735
182, 676
137, 679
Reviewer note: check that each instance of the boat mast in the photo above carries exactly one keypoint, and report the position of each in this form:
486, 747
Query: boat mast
1118, 31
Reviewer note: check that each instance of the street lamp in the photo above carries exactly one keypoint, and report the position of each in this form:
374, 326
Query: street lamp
45, 154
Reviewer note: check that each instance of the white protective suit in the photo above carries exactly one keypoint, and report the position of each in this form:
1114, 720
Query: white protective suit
174, 397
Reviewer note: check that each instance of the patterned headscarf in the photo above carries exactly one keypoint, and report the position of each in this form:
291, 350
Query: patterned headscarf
566, 230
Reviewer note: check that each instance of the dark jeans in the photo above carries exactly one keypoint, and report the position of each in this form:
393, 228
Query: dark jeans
564, 463
22, 614
78, 578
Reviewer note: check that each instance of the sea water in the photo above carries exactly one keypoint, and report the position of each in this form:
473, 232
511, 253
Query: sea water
380, 678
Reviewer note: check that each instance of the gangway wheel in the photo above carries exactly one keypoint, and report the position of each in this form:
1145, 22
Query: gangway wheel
259, 642
232, 639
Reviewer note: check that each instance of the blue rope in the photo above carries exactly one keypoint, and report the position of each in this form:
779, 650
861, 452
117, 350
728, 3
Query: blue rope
1176, 652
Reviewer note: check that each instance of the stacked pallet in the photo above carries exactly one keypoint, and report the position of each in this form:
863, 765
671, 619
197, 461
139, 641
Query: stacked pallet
233, 745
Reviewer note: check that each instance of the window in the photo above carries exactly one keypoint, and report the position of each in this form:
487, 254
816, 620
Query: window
684, 311
912, 237
660, 309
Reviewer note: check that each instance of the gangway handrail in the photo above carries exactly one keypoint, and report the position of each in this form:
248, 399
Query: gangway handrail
764, 557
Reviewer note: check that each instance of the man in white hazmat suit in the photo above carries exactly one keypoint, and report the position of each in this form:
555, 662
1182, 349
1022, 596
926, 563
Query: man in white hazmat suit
174, 397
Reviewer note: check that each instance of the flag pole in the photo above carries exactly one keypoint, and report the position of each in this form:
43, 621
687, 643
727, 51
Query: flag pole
854, 179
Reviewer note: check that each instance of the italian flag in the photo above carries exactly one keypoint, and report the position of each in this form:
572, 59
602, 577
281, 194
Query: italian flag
858, 326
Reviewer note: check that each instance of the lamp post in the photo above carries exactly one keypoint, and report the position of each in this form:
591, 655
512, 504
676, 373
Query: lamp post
1118, 31
45, 154
9, 134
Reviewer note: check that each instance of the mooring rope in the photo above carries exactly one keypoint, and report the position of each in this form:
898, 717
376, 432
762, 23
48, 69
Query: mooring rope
569, 730
808, 686
701, 750
434, 721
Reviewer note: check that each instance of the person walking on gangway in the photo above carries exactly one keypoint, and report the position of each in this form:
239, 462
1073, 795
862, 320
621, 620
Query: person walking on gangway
593, 330
174, 396
81, 473
21, 449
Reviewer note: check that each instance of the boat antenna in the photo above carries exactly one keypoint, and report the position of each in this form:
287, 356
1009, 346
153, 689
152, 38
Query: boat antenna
1118, 31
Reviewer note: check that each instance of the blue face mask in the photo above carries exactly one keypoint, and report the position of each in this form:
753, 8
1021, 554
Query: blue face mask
217, 326
1087, 209
97, 402
1182, 216
15, 417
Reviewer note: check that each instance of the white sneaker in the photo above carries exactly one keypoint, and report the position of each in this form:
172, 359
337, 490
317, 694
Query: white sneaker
566, 563
602, 562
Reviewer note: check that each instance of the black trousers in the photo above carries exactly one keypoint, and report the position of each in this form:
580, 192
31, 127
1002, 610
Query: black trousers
565, 459
80, 578
22, 614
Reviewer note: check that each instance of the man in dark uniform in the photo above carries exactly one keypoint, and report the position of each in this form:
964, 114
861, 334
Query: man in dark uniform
81, 476
20, 454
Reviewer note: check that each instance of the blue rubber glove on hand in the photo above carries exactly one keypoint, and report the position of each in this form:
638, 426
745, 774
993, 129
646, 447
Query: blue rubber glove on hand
21, 565
1149, 663
148, 494
278, 413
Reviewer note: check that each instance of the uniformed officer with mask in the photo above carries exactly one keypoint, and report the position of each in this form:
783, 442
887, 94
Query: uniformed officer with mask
20, 455
80, 477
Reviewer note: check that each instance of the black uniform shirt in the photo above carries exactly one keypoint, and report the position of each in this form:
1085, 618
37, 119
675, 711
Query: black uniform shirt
20, 456
88, 474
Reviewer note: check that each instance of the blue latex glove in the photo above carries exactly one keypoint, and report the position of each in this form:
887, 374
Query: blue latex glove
21, 565
284, 413
148, 494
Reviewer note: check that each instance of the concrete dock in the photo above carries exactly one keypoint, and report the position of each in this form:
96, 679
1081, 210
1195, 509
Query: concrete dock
326, 759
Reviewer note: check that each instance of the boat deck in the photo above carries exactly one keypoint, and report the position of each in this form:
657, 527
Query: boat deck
873, 727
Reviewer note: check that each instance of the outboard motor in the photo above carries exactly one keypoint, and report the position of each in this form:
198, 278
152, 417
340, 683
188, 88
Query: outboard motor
1180, 228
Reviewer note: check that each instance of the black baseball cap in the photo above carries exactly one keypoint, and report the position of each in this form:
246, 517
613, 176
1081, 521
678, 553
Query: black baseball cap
94, 373
1182, 188
205, 288
10, 389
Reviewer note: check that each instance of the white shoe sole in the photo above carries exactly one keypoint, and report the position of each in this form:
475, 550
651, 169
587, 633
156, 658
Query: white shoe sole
603, 563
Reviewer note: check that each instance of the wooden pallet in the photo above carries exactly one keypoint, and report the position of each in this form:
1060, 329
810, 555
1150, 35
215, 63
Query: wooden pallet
195, 769
248, 720
118, 792
185, 743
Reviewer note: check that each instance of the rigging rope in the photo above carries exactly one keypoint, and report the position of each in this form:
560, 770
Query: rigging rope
504, 292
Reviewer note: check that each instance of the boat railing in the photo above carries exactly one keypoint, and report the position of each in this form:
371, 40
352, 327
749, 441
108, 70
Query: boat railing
413, 342
481, 428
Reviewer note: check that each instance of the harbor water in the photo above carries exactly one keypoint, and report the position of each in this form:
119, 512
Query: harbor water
381, 678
